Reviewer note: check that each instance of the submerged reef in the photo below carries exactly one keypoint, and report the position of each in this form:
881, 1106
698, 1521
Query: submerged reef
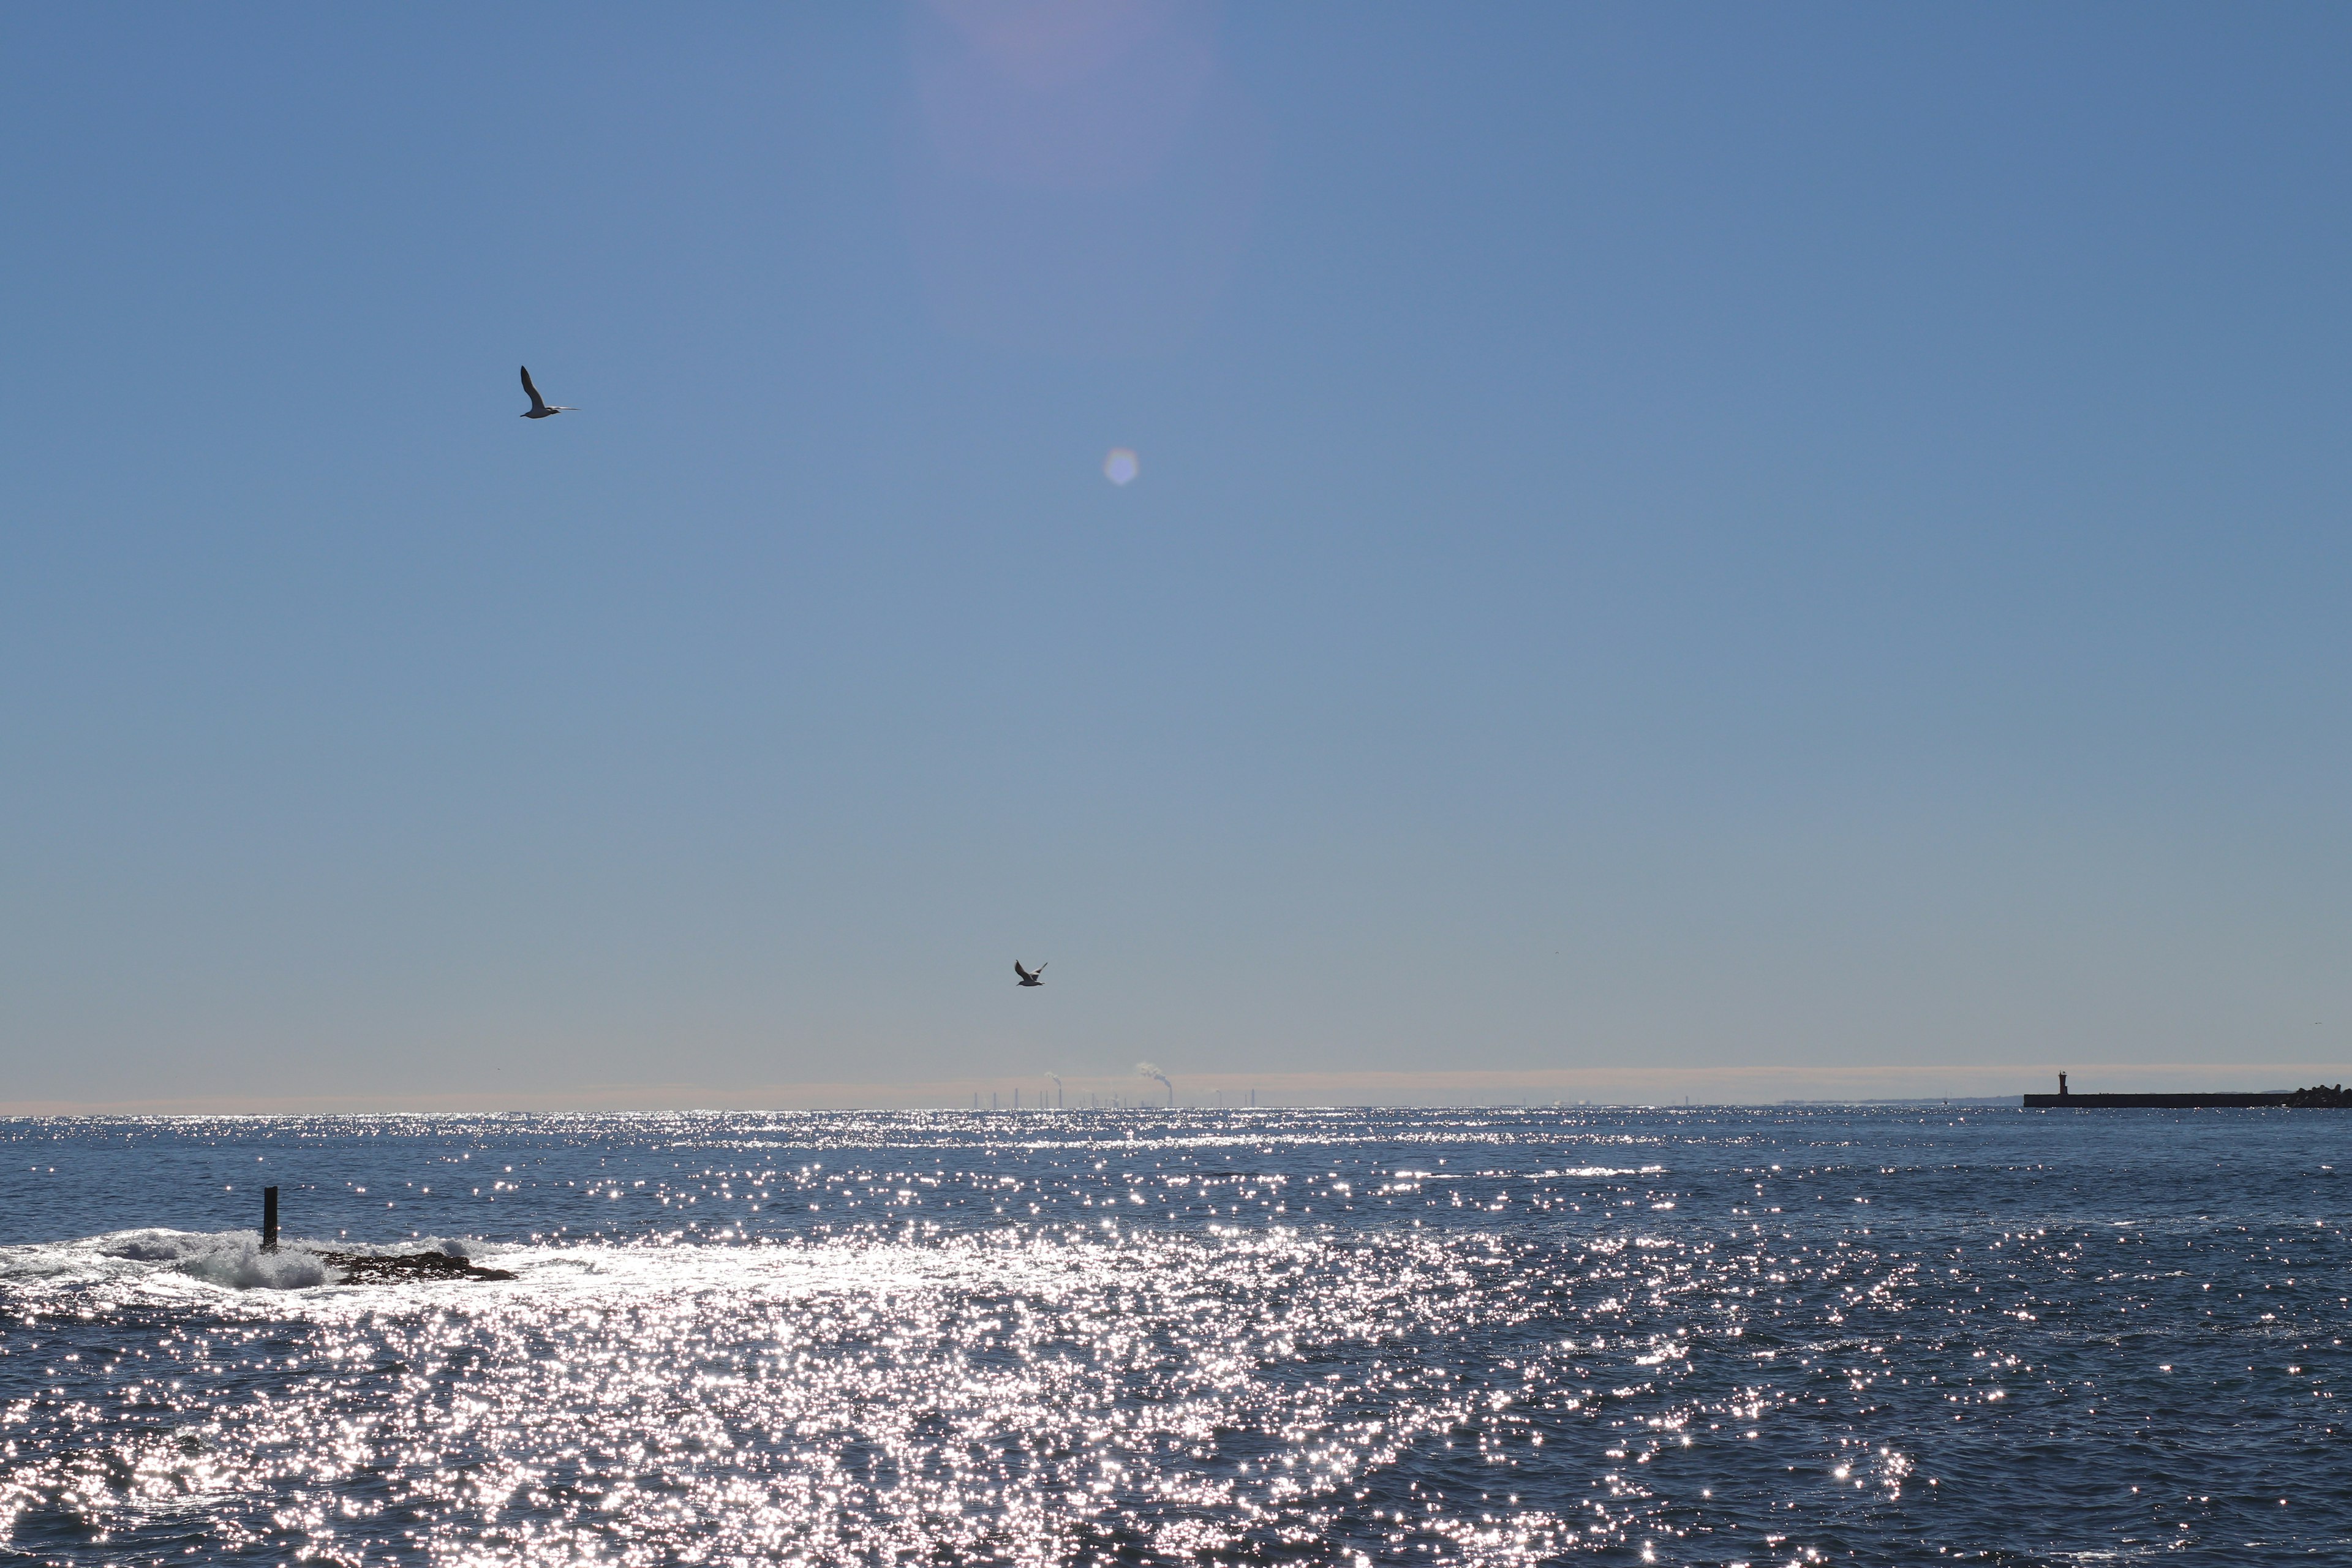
366, 1269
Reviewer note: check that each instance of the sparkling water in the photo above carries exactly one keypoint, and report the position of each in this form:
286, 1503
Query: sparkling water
1697, 1336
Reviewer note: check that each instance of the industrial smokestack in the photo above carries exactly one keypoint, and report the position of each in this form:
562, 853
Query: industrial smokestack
1057, 1089
1144, 1069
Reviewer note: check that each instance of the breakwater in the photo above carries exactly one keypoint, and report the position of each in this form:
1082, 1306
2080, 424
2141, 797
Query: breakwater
2318, 1097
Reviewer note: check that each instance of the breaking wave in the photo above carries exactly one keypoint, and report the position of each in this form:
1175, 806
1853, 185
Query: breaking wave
232, 1260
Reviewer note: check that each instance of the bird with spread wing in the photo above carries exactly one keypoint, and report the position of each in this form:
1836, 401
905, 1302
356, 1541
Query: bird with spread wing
540, 406
1028, 977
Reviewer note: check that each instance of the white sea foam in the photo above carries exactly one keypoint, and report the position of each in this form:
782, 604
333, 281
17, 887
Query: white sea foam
236, 1259
231, 1258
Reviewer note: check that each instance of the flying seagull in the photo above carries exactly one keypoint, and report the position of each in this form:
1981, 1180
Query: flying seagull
1028, 978
540, 406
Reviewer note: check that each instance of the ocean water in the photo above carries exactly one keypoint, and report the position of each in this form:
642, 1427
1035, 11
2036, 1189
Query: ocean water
1694, 1336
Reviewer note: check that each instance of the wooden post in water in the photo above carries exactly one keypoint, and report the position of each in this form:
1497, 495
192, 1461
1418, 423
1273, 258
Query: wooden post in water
269, 1219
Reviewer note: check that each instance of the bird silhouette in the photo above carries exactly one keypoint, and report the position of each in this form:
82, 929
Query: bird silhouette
540, 406
1027, 978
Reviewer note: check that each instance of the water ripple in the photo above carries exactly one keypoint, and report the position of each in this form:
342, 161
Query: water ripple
1343, 1337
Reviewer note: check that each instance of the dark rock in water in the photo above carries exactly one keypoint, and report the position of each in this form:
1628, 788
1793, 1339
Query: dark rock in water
366, 1269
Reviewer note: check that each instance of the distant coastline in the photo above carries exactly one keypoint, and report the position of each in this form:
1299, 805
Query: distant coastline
1971, 1086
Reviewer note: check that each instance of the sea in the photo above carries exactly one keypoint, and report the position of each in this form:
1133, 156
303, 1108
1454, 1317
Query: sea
1788, 1335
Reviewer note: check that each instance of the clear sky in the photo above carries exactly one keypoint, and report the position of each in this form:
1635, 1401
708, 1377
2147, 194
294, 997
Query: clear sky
1707, 536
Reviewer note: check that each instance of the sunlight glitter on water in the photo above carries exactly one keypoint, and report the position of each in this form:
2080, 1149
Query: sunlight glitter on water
1297, 1338
849, 1399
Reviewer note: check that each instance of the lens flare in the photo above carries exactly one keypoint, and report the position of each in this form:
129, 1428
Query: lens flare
1119, 466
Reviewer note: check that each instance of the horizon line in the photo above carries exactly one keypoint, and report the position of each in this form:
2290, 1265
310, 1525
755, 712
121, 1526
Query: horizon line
1714, 1085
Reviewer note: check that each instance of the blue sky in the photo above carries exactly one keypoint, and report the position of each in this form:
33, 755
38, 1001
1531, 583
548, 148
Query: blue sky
1704, 536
